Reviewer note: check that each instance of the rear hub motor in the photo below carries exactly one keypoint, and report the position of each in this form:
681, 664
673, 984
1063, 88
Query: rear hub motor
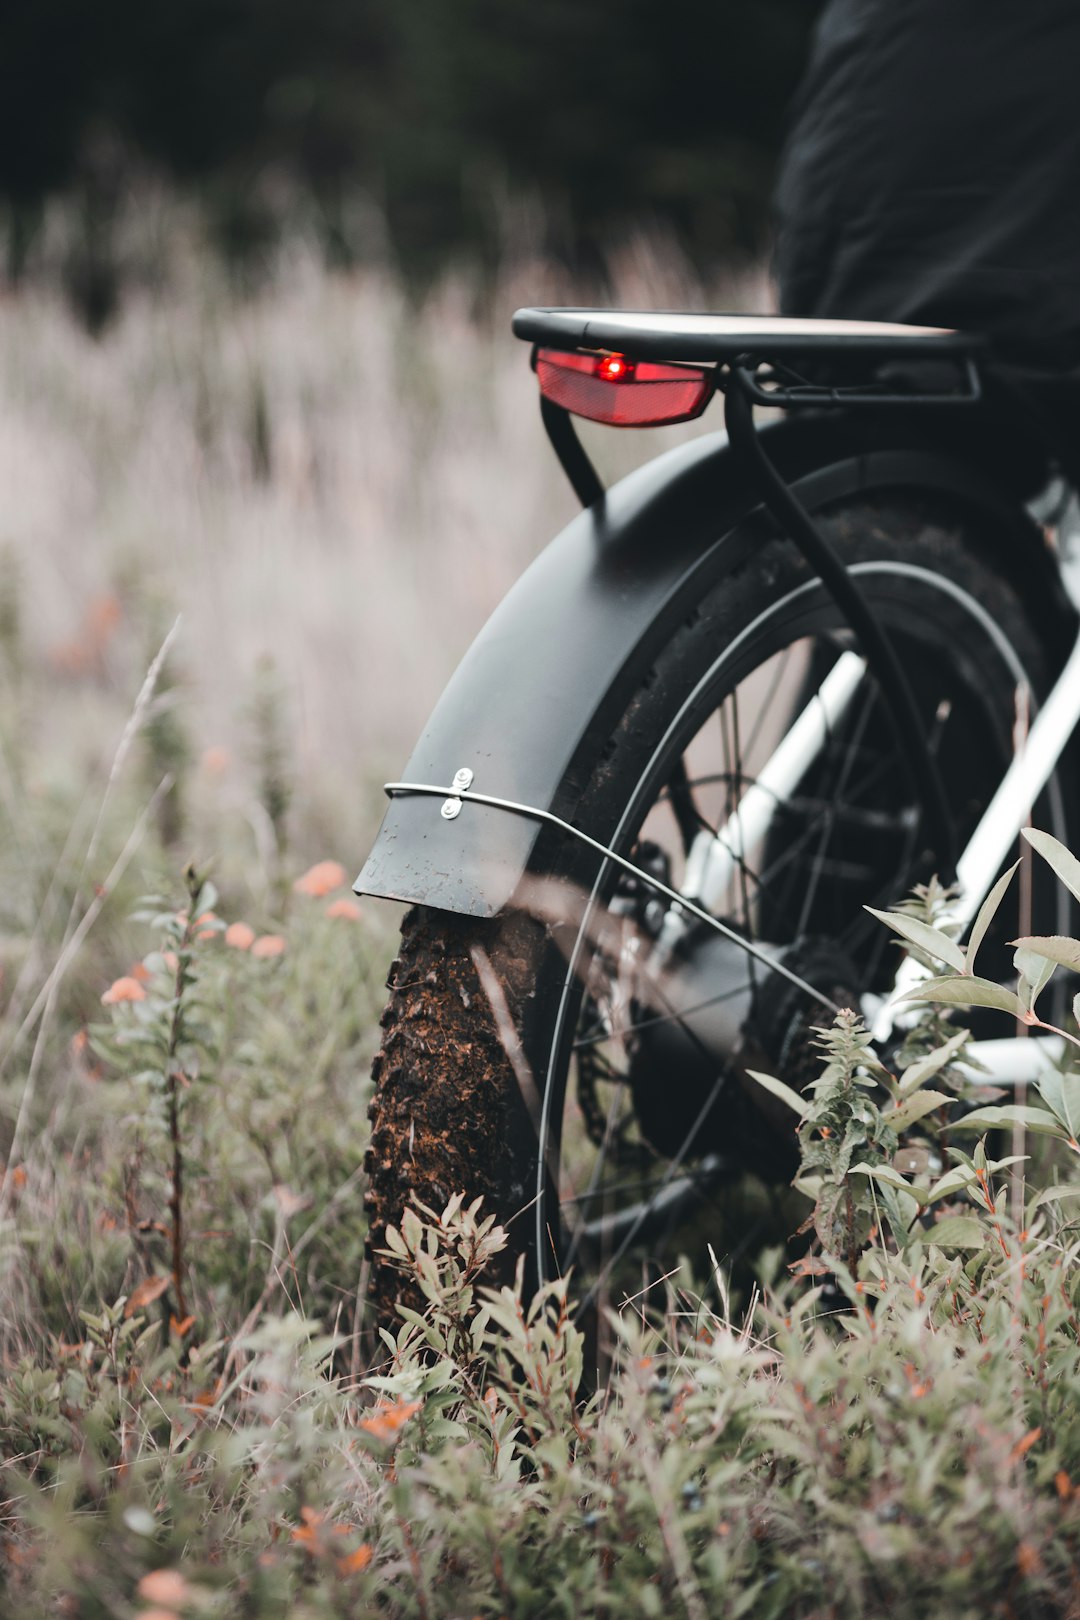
718, 1012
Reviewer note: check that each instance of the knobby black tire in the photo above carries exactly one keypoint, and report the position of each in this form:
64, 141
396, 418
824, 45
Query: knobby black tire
447, 1114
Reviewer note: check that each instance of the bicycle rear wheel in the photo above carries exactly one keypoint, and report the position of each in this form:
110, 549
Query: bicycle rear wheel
581, 1063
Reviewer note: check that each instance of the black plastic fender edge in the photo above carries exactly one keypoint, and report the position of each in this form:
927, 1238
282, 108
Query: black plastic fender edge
540, 686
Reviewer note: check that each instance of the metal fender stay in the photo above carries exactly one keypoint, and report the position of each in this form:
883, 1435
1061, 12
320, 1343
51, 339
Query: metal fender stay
539, 689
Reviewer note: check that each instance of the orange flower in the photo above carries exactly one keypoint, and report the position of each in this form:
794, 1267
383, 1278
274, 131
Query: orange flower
808, 1266
141, 972
388, 1417
344, 908
354, 1562
317, 1537
321, 879
124, 989
268, 945
309, 1534
145, 1293
240, 935
165, 1586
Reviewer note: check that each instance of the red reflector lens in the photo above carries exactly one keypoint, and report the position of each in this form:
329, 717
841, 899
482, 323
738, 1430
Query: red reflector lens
621, 392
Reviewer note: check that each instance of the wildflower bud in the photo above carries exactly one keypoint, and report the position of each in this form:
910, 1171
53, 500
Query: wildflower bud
123, 989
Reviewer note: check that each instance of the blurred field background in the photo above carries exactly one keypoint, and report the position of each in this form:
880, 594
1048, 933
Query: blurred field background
257, 265
331, 481
264, 432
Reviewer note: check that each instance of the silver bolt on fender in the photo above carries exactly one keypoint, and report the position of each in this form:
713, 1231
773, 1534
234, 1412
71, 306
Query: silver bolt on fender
461, 783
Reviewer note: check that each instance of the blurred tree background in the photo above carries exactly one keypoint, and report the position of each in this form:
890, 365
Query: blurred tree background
410, 129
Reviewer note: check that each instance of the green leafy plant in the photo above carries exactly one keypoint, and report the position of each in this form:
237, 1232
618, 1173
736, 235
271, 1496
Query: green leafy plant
1036, 959
165, 1042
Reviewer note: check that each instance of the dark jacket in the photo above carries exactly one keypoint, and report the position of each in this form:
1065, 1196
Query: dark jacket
932, 173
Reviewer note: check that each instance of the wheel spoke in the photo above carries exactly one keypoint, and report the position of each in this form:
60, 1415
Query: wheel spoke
680, 795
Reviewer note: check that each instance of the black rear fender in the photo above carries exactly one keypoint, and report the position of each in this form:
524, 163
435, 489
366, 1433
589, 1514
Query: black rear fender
533, 700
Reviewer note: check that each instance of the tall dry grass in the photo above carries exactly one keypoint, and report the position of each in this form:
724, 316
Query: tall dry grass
328, 472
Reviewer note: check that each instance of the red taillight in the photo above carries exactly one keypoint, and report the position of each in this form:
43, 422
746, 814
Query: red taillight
621, 392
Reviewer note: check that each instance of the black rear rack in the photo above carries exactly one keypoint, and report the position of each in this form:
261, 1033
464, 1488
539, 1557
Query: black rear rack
754, 362
664, 335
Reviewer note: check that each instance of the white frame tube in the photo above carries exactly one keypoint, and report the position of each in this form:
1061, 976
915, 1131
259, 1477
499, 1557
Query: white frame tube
1002, 819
